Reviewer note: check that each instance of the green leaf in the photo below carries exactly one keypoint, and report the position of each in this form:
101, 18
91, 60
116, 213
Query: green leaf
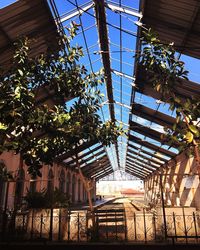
158, 87
189, 137
20, 72
177, 99
45, 149
3, 126
194, 130
174, 126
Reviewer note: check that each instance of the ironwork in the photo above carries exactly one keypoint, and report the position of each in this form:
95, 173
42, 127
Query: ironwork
114, 225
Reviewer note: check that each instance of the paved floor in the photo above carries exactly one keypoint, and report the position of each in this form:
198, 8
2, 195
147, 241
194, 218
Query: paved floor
96, 204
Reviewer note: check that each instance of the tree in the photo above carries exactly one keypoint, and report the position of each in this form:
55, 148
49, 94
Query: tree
40, 133
164, 72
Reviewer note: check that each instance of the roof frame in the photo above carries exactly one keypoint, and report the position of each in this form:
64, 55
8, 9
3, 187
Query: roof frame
106, 169
134, 174
137, 153
94, 156
141, 163
103, 175
144, 130
153, 115
151, 146
145, 161
137, 171
135, 167
95, 163
96, 168
72, 152
147, 153
90, 151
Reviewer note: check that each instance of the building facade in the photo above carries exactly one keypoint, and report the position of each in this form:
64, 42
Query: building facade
56, 176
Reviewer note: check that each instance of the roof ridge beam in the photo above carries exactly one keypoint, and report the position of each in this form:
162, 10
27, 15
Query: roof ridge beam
100, 15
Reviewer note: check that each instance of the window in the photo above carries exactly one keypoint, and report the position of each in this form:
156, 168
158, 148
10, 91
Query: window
62, 181
19, 188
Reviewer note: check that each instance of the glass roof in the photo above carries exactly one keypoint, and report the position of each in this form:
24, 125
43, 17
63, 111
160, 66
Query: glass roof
122, 19
109, 34
122, 32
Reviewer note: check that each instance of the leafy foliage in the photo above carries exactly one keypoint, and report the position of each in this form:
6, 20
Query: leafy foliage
44, 199
165, 71
40, 132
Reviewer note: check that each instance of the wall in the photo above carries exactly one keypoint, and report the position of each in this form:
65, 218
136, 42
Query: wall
57, 173
180, 183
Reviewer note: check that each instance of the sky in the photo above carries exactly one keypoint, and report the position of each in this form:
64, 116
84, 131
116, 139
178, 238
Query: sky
4, 3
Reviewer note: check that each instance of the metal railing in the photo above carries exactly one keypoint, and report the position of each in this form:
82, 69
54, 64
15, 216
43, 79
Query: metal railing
110, 225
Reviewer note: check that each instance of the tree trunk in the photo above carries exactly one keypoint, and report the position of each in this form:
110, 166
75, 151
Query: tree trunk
88, 189
17, 201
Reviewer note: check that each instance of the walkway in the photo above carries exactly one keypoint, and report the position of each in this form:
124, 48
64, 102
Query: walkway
96, 204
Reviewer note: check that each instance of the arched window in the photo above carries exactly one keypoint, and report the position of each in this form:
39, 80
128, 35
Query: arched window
73, 188
32, 187
68, 183
50, 182
79, 190
19, 188
62, 181
2, 186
